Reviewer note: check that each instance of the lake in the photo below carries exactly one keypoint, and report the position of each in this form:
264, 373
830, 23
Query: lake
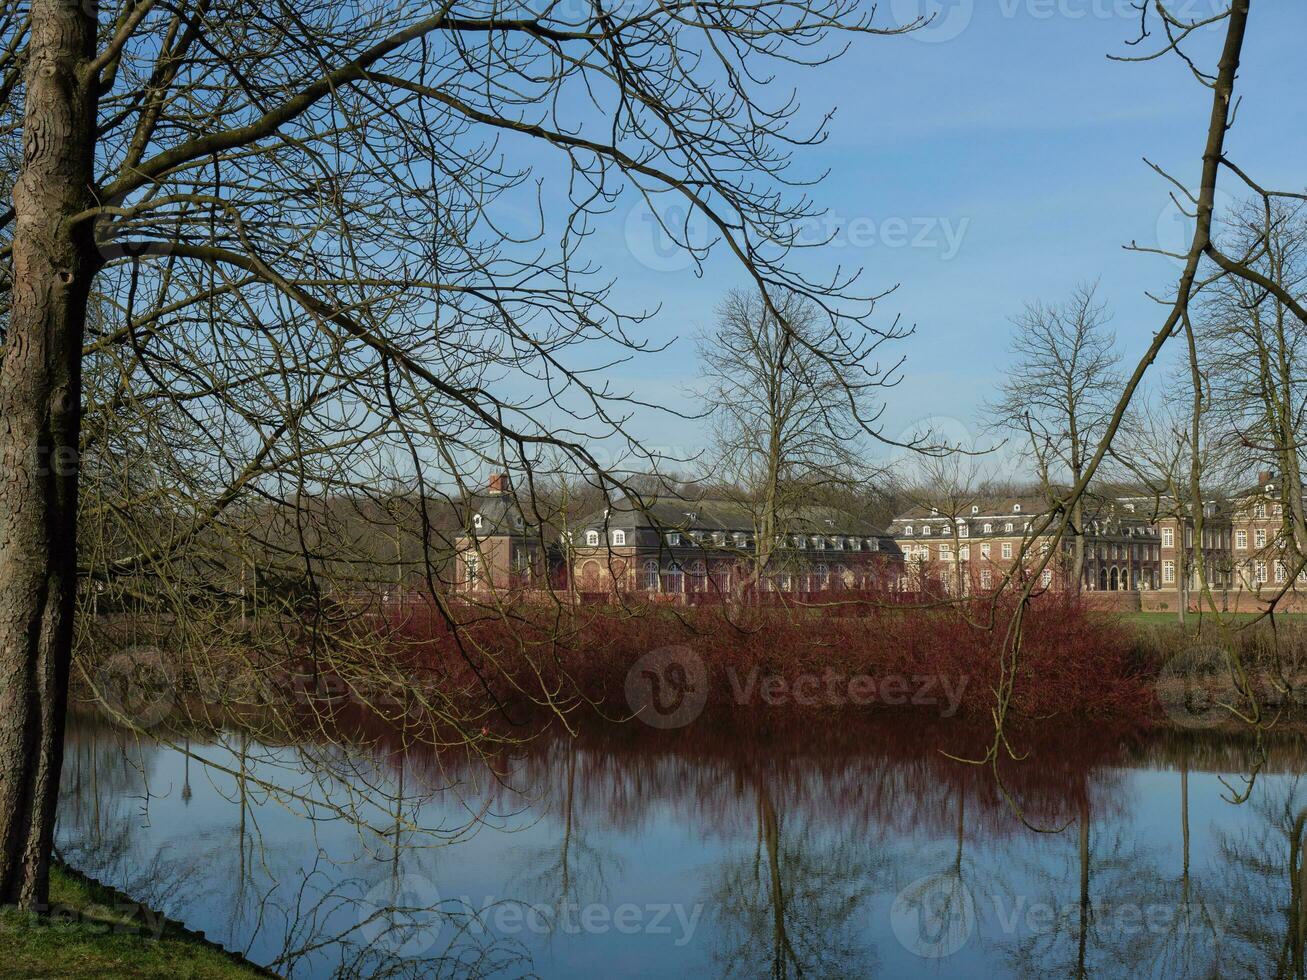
802, 846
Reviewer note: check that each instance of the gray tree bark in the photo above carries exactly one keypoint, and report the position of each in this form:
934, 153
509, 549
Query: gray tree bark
54, 260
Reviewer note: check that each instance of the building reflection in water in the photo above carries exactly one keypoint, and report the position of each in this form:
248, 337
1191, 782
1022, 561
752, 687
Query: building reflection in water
378, 855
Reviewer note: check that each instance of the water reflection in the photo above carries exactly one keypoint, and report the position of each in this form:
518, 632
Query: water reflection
780, 850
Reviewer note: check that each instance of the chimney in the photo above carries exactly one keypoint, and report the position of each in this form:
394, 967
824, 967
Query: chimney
499, 483
1264, 477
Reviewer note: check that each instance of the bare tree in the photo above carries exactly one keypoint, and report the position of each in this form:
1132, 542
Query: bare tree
319, 245
792, 398
1059, 394
1161, 451
1251, 347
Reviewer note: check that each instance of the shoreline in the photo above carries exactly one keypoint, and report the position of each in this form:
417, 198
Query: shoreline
93, 929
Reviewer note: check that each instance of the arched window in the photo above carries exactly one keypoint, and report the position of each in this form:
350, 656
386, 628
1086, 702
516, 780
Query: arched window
674, 580
592, 538
650, 579
619, 538
820, 575
698, 577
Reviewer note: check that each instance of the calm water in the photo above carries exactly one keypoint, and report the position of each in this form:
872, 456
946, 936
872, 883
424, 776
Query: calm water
706, 852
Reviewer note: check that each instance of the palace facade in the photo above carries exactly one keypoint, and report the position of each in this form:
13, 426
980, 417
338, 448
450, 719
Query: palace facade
1149, 553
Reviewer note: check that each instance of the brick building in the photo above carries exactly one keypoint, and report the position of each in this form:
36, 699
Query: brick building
1262, 556
675, 547
498, 547
1139, 545
665, 546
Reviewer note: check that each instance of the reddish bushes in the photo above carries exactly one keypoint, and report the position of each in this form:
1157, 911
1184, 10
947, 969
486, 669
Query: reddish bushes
942, 660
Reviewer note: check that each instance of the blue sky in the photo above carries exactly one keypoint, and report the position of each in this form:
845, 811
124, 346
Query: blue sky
1010, 148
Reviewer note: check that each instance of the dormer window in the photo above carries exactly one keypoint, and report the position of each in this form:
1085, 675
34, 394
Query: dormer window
988, 528
1016, 508
674, 539
741, 540
926, 530
592, 538
873, 544
907, 531
1008, 527
975, 509
619, 538
476, 521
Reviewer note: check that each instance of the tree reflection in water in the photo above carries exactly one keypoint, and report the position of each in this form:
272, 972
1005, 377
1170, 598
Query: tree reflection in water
380, 855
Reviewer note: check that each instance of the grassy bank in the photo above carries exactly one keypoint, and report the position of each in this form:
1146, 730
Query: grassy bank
94, 931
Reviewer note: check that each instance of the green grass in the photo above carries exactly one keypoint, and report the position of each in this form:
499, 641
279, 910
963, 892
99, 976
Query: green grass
94, 931
1170, 618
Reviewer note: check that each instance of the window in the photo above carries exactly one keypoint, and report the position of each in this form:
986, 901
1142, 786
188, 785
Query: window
1168, 571
873, 544
674, 539
1260, 572
698, 577
476, 520
964, 531
818, 542
964, 553
1046, 578
988, 528
473, 565
907, 531
1241, 540
984, 551
975, 509
1008, 527
1281, 573
592, 538
1259, 537
1168, 537
1007, 549
1016, 508
650, 582
926, 529
986, 578
945, 552
1259, 510
741, 541
619, 538
675, 581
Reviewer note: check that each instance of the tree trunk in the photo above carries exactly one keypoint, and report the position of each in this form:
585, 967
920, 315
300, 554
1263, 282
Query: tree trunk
54, 261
